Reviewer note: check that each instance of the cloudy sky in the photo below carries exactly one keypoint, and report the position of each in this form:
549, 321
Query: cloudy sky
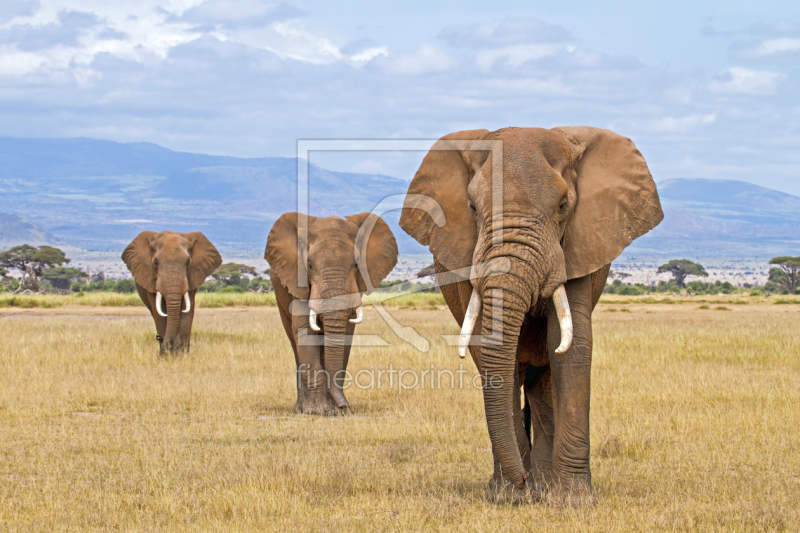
705, 88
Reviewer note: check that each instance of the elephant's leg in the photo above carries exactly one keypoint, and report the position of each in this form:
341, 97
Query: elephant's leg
284, 302
500, 488
310, 371
149, 300
570, 376
185, 327
341, 378
311, 375
540, 399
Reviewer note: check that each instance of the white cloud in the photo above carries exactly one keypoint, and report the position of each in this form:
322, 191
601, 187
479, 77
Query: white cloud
681, 124
427, 59
11, 9
740, 80
516, 55
236, 13
781, 50
504, 33
369, 54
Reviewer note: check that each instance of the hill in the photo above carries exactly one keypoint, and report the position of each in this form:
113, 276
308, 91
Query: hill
98, 195
723, 218
16, 230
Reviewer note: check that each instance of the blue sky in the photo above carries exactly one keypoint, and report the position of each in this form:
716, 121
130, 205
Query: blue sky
705, 89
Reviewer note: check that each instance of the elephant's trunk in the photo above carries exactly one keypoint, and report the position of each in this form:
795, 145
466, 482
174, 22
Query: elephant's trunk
174, 301
504, 309
335, 326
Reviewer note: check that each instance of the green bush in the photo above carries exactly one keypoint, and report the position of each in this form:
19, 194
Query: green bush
231, 288
124, 285
632, 290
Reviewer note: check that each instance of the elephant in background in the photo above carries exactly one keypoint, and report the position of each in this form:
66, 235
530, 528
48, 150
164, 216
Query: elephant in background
342, 258
572, 199
168, 267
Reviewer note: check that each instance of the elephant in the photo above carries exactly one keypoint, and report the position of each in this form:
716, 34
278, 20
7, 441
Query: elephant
522, 283
168, 267
341, 259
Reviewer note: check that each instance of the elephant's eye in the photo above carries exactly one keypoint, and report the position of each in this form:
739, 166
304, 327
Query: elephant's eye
473, 211
564, 204
155, 262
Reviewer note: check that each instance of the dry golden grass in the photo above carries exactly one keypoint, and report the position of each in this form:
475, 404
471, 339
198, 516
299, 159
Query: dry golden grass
695, 426
204, 299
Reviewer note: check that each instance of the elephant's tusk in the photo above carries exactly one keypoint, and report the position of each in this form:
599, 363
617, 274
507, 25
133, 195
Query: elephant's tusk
188, 303
564, 318
312, 319
158, 305
470, 318
359, 316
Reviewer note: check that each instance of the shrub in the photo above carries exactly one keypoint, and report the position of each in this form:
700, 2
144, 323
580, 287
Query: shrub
125, 285
231, 288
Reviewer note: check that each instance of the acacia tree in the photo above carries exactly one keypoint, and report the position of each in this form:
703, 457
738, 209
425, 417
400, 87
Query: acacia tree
31, 261
681, 268
231, 273
787, 272
62, 277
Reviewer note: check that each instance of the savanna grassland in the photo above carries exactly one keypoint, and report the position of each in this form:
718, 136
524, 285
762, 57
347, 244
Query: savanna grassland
695, 424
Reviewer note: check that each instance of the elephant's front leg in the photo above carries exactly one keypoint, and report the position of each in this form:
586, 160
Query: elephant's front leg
312, 378
149, 300
539, 392
185, 327
340, 378
571, 375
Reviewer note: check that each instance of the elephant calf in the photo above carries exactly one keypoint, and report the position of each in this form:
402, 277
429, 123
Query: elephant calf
319, 294
168, 267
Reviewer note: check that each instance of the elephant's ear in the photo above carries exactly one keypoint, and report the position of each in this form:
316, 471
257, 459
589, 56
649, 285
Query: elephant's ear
205, 259
617, 200
282, 250
380, 255
138, 257
443, 177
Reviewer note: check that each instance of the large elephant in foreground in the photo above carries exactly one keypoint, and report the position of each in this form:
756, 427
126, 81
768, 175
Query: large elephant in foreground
168, 267
341, 259
526, 280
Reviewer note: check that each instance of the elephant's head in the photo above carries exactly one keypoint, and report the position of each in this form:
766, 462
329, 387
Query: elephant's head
171, 266
341, 259
572, 199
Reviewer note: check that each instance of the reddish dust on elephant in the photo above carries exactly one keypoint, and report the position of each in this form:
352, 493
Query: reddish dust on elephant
523, 283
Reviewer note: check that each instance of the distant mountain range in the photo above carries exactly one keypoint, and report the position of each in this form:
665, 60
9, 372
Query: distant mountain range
97, 195
15, 230
723, 218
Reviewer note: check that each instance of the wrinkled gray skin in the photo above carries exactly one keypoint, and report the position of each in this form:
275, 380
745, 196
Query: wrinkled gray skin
552, 236
334, 291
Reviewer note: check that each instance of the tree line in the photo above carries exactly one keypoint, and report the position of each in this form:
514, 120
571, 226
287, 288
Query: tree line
784, 278
45, 268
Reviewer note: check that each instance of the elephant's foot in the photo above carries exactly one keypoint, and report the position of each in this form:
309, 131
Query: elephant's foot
502, 491
338, 400
318, 407
540, 479
575, 491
